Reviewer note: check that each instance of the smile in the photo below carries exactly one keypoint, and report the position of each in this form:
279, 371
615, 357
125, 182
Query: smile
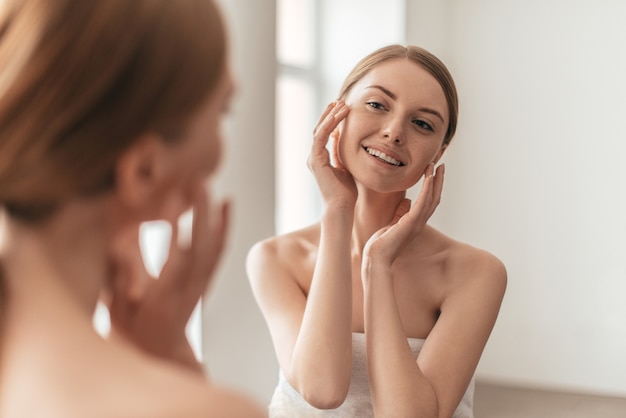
384, 157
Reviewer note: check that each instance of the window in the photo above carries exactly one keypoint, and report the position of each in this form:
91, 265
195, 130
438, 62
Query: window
296, 100
318, 42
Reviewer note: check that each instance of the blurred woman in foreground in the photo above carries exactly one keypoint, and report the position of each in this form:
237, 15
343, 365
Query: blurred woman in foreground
110, 116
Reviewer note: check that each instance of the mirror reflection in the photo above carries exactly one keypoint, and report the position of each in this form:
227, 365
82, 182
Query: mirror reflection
533, 175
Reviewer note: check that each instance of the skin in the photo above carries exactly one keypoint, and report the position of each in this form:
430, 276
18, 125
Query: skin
55, 273
374, 265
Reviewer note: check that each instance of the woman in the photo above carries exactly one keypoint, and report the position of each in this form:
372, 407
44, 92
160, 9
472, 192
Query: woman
371, 310
109, 116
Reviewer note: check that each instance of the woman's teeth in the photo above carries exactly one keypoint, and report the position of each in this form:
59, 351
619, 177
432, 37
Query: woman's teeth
384, 157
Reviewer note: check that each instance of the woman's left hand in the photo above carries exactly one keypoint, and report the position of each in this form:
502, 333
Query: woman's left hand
408, 222
152, 313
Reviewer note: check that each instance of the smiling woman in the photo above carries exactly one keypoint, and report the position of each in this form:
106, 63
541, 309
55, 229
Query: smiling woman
371, 310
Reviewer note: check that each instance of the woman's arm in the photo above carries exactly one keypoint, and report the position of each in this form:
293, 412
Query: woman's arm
433, 385
312, 333
453, 348
397, 385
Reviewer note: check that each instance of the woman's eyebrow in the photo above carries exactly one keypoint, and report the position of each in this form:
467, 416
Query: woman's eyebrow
384, 90
432, 112
394, 97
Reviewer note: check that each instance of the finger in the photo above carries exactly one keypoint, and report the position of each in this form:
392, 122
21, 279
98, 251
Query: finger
208, 248
322, 118
336, 112
430, 170
220, 233
171, 290
183, 260
325, 128
118, 303
319, 154
438, 186
125, 252
339, 113
434, 193
336, 161
172, 272
425, 195
430, 195
200, 236
401, 223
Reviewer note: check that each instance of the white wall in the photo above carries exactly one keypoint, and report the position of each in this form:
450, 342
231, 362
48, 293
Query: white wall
536, 175
236, 343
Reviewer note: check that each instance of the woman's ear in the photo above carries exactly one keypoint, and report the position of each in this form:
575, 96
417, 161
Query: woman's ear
139, 173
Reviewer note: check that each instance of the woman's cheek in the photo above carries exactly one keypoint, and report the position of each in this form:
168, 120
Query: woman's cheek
346, 133
214, 156
204, 160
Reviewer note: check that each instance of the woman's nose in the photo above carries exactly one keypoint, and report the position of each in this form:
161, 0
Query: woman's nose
393, 131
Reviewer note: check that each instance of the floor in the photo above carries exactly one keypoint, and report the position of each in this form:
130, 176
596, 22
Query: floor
491, 401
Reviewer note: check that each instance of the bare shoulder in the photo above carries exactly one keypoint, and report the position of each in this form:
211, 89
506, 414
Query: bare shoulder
157, 389
186, 393
477, 269
288, 252
225, 402
469, 266
296, 243
201, 399
188, 398
477, 262
95, 378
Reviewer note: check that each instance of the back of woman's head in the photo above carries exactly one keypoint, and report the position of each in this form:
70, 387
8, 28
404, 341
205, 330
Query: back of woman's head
421, 57
80, 80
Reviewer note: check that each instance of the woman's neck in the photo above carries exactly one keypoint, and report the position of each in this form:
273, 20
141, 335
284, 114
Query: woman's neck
372, 212
60, 262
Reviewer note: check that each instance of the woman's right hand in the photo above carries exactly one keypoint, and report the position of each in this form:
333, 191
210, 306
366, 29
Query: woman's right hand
152, 313
335, 182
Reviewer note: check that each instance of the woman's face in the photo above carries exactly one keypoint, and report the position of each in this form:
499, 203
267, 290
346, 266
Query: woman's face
395, 128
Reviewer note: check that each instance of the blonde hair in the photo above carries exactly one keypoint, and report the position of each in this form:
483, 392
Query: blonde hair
80, 80
421, 57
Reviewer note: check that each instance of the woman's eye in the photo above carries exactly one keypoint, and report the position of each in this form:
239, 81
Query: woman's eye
423, 124
375, 105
